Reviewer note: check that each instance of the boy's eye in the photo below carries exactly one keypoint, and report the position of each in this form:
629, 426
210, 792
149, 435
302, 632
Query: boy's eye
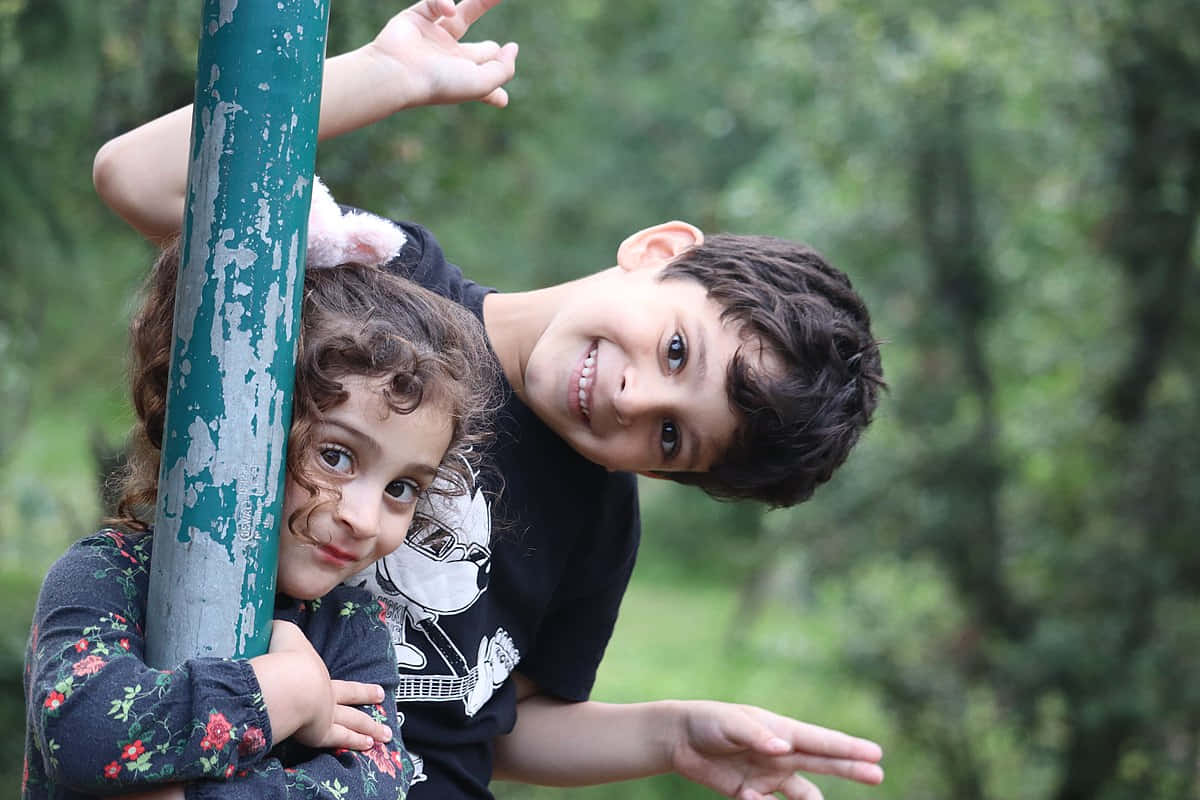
403, 491
669, 438
676, 353
336, 459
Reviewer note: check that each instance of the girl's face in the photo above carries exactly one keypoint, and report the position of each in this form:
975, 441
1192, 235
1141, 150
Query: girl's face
380, 462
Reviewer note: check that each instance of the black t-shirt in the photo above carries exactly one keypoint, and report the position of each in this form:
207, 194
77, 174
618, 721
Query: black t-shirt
525, 574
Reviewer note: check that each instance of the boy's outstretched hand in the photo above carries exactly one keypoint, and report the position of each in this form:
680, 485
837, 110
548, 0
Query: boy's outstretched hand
749, 753
433, 66
739, 751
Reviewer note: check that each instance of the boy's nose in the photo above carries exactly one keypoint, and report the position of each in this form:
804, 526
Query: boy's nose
633, 398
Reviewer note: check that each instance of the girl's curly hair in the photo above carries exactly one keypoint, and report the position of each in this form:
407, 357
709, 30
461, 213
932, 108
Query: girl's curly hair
356, 321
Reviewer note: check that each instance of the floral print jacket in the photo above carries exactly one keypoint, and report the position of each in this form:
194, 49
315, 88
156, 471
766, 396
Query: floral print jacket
100, 722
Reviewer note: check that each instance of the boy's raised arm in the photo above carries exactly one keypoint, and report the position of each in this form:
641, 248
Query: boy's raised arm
417, 59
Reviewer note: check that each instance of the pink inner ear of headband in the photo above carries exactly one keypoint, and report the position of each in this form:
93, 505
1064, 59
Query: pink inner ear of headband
355, 237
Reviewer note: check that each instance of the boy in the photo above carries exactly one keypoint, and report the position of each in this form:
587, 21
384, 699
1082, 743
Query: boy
743, 366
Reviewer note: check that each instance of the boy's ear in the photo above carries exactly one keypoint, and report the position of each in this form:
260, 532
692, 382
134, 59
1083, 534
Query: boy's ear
658, 246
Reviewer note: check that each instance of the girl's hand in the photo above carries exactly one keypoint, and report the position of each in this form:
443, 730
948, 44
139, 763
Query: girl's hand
305, 704
421, 46
172, 792
350, 727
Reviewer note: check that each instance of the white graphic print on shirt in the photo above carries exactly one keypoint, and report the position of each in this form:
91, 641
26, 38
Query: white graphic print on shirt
441, 570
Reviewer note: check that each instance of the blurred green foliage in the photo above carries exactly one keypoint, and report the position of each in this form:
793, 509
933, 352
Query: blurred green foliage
1002, 583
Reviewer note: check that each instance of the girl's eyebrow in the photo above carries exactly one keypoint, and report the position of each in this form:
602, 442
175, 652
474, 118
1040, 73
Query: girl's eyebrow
363, 440
424, 469
368, 443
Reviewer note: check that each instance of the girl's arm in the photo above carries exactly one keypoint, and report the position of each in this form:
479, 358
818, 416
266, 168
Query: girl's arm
102, 721
416, 60
739, 751
357, 648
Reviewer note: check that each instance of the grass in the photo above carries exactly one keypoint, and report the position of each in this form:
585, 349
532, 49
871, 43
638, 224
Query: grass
676, 640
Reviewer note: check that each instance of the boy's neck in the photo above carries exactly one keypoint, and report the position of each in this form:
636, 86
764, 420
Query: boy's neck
513, 321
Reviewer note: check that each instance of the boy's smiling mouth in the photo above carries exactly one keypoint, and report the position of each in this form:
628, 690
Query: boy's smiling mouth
583, 380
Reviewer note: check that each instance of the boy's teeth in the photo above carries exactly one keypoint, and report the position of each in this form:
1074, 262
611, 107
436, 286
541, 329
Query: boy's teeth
584, 383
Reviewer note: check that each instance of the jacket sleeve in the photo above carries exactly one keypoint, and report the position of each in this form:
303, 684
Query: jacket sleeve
101, 720
353, 640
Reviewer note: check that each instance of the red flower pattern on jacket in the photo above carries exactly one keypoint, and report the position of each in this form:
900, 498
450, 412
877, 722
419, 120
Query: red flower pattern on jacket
88, 666
253, 740
382, 759
216, 732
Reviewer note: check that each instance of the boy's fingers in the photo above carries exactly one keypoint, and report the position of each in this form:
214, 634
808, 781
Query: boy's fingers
799, 788
497, 72
794, 787
432, 10
743, 731
497, 98
465, 15
846, 768
480, 52
827, 742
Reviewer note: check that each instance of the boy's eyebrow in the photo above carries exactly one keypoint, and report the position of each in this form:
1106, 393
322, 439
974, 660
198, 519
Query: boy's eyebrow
701, 355
701, 444
703, 449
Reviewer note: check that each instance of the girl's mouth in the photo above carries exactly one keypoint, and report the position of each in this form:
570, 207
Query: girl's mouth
336, 555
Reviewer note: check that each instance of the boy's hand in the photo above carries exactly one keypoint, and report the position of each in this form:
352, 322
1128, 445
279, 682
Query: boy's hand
749, 753
310, 707
421, 45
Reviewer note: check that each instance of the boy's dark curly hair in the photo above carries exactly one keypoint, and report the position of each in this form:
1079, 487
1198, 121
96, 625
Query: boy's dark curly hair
803, 410
356, 320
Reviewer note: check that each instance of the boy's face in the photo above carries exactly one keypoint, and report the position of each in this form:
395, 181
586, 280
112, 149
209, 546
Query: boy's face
631, 371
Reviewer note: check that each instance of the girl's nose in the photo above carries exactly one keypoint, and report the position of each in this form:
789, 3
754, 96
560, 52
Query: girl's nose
357, 511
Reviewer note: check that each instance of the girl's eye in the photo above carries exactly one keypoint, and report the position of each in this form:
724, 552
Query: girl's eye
336, 459
403, 491
676, 353
669, 438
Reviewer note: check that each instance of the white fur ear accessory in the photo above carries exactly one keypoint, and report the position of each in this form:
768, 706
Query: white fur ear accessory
335, 238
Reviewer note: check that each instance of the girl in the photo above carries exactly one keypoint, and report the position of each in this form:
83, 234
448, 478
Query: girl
385, 403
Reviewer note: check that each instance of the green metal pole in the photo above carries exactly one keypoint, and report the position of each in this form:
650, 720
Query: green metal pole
237, 307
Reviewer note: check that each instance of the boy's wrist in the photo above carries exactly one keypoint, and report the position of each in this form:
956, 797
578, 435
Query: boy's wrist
360, 88
670, 731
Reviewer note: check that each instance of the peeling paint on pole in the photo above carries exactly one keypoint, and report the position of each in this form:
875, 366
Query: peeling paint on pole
254, 137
